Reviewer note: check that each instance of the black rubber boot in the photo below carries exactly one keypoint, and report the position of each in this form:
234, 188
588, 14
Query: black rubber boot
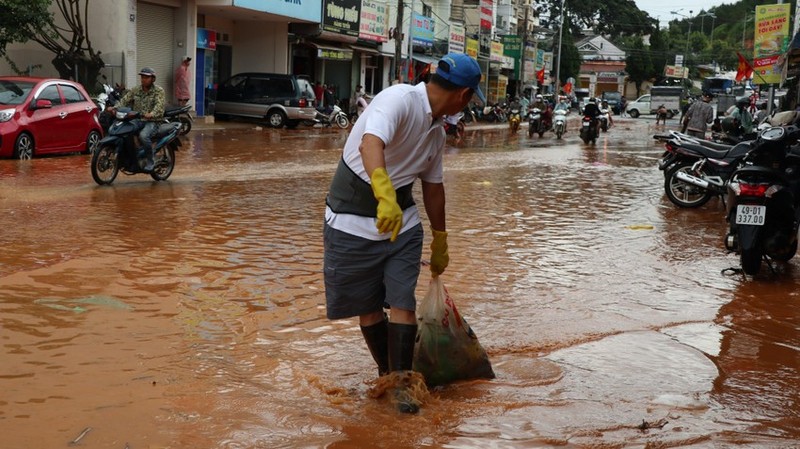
377, 338
401, 358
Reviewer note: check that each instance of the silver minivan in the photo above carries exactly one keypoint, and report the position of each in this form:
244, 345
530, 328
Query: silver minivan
281, 99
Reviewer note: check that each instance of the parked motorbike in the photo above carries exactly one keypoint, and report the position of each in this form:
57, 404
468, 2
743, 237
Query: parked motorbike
590, 130
673, 140
107, 99
763, 211
179, 114
536, 123
559, 122
514, 120
701, 172
119, 151
336, 116
494, 113
468, 115
455, 129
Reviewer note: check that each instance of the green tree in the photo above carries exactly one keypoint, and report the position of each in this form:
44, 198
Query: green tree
570, 58
638, 64
74, 56
19, 17
609, 17
659, 52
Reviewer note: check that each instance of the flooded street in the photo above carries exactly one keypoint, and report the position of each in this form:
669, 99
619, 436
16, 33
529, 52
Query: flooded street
190, 313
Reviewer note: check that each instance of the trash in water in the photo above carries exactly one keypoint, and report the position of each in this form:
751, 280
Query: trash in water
447, 349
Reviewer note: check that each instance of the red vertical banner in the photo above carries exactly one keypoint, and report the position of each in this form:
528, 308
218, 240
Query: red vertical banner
487, 15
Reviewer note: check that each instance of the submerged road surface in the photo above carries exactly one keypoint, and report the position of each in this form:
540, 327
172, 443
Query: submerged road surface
190, 313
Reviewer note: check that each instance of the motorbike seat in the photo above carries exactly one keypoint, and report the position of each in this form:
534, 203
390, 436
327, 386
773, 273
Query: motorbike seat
715, 145
724, 151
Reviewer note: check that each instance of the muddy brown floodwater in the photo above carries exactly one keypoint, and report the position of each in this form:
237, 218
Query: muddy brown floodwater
190, 313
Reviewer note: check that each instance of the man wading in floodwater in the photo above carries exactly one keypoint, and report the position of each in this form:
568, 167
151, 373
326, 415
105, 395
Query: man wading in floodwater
373, 232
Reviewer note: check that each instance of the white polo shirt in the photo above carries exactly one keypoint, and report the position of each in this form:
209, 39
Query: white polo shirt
414, 143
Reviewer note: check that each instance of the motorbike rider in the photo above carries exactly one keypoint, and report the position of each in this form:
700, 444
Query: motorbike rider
742, 114
563, 105
515, 104
604, 105
147, 99
547, 115
524, 104
591, 109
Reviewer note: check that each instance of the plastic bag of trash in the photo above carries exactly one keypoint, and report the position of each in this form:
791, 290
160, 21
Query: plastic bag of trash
446, 349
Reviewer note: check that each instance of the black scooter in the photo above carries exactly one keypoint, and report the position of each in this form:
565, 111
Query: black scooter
590, 130
119, 150
764, 200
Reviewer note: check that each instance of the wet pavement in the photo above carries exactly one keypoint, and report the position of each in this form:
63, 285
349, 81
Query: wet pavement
190, 313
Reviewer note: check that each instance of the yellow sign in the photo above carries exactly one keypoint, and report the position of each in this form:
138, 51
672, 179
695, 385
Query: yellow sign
472, 48
771, 41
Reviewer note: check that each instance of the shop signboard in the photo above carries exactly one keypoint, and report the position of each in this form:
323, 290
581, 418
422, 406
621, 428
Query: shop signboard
472, 47
422, 30
341, 16
374, 24
457, 39
771, 41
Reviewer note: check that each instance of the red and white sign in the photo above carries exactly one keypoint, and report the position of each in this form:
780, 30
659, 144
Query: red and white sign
487, 15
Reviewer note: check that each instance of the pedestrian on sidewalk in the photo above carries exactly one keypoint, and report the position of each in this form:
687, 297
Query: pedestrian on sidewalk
183, 76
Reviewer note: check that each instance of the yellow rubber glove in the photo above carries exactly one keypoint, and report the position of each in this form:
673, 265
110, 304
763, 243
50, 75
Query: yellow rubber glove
390, 216
439, 257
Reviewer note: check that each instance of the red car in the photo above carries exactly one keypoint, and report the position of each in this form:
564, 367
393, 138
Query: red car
41, 116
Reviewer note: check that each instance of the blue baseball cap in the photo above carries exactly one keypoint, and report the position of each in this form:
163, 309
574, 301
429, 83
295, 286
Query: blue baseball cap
461, 70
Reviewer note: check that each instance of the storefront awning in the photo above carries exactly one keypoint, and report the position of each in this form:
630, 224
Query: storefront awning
366, 50
425, 59
333, 53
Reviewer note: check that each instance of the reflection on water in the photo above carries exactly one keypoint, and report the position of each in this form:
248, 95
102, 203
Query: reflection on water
190, 313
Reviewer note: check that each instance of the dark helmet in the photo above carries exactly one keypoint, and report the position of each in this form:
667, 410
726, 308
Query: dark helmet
743, 102
147, 71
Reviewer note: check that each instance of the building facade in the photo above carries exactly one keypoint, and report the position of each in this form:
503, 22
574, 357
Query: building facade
342, 43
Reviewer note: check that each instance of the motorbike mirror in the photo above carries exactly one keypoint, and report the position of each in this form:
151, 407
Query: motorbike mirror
43, 104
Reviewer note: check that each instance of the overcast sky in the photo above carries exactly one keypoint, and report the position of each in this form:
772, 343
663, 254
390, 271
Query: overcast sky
660, 9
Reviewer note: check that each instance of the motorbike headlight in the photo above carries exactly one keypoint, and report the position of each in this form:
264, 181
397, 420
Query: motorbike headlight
121, 115
6, 115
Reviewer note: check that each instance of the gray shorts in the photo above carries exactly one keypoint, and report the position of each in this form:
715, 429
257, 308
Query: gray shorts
363, 276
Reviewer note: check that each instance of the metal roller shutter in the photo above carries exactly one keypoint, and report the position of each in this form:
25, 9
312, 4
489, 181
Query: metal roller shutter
155, 34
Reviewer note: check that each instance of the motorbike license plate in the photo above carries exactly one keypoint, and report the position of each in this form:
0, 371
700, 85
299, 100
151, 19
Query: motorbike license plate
586, 124
747, 214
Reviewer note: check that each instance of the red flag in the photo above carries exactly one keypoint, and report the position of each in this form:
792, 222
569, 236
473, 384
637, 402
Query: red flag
540, 76
410, 71
744, 70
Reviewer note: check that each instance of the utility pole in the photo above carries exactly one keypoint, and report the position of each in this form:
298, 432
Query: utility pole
521, 85
558, 59
398, 42
771, 104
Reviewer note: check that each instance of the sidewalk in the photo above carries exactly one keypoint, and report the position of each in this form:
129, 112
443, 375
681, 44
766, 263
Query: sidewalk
209, 123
